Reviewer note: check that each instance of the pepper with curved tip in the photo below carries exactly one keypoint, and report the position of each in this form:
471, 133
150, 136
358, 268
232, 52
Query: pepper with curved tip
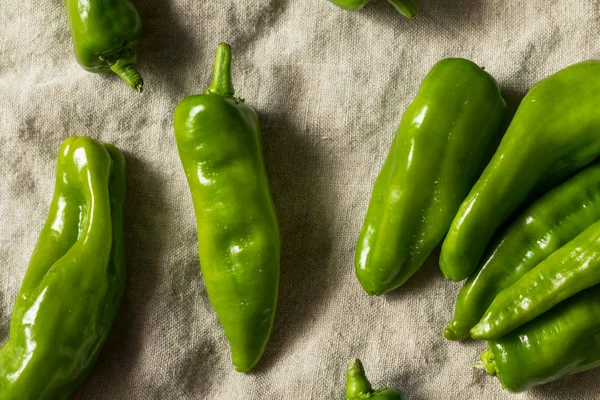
561, 342
569, 270
72, 289
219, 143
408, 8
358, 386
544, 227
106, 34
555, 132
438, 152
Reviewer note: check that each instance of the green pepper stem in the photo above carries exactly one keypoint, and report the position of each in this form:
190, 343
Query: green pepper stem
221, 83
126, 69
408, 8
356, 380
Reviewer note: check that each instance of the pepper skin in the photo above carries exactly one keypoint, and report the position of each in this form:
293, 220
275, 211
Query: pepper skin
106, 34
358, 386
219, 142
72, 289
408, 8
548, 224
561, 342
439, 150
569, 270
555, 132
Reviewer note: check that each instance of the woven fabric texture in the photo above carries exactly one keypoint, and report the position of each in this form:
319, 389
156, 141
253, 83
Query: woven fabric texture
330, 87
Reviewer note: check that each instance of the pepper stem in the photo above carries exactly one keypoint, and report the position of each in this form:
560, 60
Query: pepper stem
408, 8
356, 380
126, 69
221, 82
487, 363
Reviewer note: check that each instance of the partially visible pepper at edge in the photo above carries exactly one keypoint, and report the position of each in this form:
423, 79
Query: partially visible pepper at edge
555, 132
358, 386
219, 143
106, 34
74, 283
408, 8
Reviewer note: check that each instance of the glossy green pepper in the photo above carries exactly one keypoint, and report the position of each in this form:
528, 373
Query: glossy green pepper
544, 227
562, 341
555, 132
358, 386
437, 154
106, 34
569, 270
219, 142
73, 286
408, 8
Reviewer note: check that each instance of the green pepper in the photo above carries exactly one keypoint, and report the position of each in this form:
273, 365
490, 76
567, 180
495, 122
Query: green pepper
408, 8
561, 342
438, 152
358, 386
544, 227
219, 142
72, 289
106, 34
569, 270
555, 132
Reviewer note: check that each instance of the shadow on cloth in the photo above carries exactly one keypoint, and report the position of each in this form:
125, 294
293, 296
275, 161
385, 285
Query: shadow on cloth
4, 322
569, 387
294, 164
166, 49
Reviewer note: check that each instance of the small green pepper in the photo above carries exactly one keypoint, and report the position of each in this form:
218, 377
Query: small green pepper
563, 341
439, 150
408, 8
358, 386
555, 133
219, 144
72, 289
569, 270
106, 34
544, 227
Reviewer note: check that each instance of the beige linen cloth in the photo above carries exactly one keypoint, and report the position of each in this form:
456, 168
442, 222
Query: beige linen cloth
330, 87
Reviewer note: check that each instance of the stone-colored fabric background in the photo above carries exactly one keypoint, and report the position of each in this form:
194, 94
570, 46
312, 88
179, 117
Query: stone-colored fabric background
330, 87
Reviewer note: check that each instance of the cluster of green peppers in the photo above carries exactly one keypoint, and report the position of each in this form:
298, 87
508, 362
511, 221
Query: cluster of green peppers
533, 284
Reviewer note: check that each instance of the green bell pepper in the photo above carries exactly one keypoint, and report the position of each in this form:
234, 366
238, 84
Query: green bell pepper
72, 289
408, 8
555, 132
437, 154
569, 270
219, 143
106, 34
544, 227
358, 386
561, 342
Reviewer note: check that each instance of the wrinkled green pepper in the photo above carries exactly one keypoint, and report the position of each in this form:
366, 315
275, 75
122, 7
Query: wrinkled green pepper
358, 386
437, 154
72, 289
106, 34
544, 227
563, 341
569, 270
555, 132
219, 142
408, 8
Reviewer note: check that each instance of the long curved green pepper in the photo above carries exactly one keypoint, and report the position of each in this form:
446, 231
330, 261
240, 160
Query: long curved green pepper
106, 34
437, 154
219, 142
569, 270
544, 227
555, 133
408, 8
72, 289
560, 342
358, 386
